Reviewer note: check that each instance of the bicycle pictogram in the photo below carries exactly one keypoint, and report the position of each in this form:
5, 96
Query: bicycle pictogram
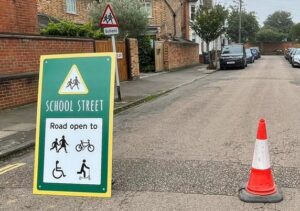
83, 145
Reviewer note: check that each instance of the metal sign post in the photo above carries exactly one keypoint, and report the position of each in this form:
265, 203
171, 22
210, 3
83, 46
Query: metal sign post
117, 69
110, 24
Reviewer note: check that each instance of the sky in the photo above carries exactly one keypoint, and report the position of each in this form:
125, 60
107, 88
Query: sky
263, 8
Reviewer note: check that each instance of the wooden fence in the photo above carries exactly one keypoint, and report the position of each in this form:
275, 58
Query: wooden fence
106, 46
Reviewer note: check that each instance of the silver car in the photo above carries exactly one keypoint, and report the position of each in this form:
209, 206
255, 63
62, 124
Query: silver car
296, 58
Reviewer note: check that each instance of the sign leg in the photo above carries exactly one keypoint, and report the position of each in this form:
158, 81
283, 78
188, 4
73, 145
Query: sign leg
117, 69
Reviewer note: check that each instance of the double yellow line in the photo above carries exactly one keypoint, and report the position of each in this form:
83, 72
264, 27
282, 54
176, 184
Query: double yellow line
10, 167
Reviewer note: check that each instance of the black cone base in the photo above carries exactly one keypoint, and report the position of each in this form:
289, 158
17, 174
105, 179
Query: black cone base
251, 198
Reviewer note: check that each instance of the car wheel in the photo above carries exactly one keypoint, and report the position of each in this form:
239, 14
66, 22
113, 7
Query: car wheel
293, 64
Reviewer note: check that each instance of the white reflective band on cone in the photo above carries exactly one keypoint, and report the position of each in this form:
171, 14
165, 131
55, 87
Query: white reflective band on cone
261, 157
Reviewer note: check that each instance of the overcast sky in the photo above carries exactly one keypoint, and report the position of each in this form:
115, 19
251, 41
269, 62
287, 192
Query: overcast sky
263, 8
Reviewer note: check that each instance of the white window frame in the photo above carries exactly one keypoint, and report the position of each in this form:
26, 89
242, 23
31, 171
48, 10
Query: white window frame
71, 7
148, 7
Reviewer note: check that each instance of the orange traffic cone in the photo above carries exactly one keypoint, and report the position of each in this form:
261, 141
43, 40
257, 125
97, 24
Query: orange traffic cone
261, 186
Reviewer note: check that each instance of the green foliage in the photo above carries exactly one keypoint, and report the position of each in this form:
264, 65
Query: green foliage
280, 21
146, 54
270, 35
132, 17
209, 24
295, 32
70, 29
249, 28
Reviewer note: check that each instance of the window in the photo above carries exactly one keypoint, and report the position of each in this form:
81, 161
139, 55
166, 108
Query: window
201, 4
148, 7
193, 37
193, 10
71, 6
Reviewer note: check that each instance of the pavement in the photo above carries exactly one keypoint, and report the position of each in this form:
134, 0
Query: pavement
17, 125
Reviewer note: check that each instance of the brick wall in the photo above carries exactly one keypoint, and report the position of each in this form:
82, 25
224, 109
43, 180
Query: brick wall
180, 54
19, 64
273, 48
18, 90
57, 9
134, 59
21, 53
18, 16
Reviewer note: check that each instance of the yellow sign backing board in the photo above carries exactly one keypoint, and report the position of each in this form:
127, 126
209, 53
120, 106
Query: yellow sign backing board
73, 151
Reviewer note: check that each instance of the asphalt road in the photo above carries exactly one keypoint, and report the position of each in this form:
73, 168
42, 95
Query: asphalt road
192, 148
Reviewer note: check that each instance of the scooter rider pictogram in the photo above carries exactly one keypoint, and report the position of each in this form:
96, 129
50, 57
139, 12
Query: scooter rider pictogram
82, 171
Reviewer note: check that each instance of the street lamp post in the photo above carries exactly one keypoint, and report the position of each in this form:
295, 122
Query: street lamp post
240, 22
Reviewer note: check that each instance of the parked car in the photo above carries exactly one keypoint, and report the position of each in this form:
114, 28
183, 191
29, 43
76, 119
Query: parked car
250, 56
292, 53
289, 53
233, 56
286, 53
257, 51
296, 58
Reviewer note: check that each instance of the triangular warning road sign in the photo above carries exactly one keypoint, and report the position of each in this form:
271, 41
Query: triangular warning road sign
73, 83
108, 18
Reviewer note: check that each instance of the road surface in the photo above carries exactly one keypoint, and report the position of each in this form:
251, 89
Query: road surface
192, 148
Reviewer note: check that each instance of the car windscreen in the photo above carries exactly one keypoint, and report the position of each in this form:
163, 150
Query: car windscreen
232, 50
248, 52
297, 52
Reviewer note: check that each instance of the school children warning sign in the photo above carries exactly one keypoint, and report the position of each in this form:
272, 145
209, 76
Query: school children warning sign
108, 18
74, 125
73, 83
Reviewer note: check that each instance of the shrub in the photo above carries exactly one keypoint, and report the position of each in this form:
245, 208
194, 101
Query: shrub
70, 29
146, 54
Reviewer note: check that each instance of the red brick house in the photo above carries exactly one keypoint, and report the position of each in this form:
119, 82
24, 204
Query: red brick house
18, 16
167, 18
70, 10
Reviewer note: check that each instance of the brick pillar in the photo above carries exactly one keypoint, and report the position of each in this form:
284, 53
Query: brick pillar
133, 60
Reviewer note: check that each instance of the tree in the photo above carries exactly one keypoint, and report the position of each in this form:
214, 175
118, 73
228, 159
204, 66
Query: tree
249, 29
132, 17
209, 24
270, 35
295, 32
280, 21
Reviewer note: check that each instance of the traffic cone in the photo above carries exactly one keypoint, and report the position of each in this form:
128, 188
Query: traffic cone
261, 186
